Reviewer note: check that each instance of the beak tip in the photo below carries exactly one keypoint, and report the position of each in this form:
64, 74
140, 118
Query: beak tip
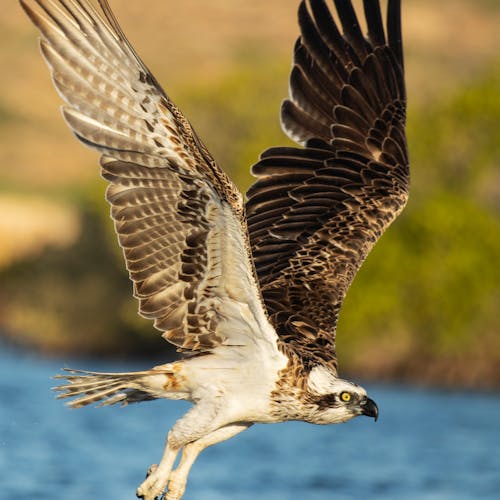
370, 409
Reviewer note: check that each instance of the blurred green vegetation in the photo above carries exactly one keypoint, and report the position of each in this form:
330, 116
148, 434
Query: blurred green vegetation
77, 300
423, 307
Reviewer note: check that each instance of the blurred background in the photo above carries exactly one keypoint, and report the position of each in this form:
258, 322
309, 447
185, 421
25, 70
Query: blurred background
424, 307
423, 311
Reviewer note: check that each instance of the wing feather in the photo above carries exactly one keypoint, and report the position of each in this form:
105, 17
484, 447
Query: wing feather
314, 213
178, 217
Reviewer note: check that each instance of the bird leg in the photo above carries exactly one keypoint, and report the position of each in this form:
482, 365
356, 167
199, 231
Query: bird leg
198, 422
157, 478
178, 477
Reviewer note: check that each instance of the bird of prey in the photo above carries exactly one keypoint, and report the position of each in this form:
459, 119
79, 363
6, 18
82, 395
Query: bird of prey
248, 291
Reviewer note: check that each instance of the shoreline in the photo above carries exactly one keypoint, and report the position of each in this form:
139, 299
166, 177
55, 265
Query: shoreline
435, 374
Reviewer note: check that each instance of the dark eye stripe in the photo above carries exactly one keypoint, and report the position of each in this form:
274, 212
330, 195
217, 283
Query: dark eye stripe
327, 401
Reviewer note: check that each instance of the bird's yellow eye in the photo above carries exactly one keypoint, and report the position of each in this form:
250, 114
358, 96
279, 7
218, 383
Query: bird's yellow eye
345, 397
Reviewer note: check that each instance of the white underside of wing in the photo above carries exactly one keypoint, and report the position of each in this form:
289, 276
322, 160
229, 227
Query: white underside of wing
229, 276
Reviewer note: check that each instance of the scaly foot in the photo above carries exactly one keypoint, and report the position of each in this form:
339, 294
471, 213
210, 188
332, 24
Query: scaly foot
154, 484
176, 486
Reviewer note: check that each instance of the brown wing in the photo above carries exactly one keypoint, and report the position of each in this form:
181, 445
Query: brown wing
177, 215
315, 212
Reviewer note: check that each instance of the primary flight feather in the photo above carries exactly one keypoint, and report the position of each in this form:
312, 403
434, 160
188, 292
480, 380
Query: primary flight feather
249, 293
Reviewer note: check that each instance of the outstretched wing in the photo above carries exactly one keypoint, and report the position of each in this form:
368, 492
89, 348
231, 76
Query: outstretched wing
315, 212
178, 217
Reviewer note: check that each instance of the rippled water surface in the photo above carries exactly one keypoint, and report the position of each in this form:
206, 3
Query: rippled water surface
426, 445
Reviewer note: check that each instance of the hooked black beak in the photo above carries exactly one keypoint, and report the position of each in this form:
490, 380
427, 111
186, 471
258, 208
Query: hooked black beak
370, 409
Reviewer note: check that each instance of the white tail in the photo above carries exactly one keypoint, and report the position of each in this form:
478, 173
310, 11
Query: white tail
112, 388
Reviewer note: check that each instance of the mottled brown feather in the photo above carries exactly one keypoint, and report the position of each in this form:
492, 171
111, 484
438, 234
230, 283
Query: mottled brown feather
315, 213
178, 217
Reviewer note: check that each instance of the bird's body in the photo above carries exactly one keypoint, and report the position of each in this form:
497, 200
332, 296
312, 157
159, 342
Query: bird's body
248, 292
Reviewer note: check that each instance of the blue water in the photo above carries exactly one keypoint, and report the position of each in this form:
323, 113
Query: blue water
426, 445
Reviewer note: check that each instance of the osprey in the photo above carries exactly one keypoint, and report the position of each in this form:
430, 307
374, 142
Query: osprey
249, 292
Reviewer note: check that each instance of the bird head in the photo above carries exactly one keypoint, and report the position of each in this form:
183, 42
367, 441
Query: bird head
334, 400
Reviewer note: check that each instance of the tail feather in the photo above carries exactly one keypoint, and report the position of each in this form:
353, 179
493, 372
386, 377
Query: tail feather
112, 388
